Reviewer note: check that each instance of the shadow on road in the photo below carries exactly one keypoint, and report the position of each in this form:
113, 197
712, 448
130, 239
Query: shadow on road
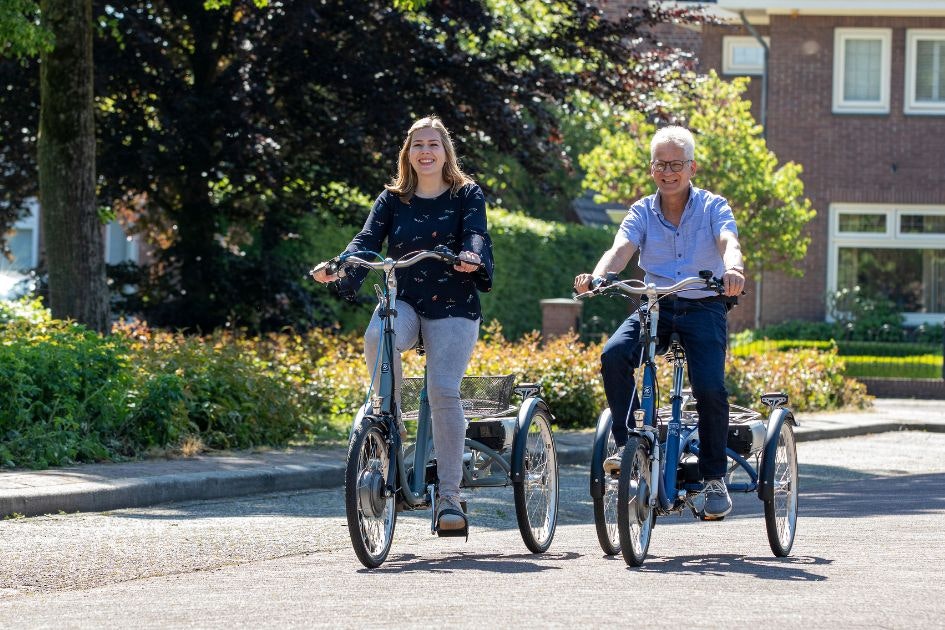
518, 563
791, 569
876, 496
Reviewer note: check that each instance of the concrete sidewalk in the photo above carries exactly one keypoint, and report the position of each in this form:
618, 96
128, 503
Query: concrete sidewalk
102, 487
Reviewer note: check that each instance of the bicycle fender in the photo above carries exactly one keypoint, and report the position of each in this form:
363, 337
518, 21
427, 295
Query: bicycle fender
776, 420
604, 422
525, 413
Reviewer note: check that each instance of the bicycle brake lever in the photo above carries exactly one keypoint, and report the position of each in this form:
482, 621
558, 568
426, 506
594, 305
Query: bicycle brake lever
448, 256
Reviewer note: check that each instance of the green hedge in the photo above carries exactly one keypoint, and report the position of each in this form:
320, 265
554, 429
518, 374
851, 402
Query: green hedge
918, 366
534, 259
69, 395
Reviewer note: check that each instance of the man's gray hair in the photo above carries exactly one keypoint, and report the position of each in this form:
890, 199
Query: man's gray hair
680, 136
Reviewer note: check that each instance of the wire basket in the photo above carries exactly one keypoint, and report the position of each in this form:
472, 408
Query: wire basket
480, 396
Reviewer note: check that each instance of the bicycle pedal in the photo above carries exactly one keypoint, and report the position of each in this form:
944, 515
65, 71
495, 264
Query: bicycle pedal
703, 516
454, 533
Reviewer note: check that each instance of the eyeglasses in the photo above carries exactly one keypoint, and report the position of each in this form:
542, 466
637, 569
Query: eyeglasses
675, 166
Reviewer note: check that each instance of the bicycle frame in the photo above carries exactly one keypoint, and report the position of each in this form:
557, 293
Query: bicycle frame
680, 438
413, 487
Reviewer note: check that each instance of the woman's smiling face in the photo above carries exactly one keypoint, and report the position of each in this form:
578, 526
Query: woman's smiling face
427, 155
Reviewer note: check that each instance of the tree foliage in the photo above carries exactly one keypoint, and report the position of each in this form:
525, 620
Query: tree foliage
734, 161
21, 34
221, 131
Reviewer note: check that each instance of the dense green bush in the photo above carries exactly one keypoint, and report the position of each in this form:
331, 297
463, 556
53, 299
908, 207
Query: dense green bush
62, 389
534, 260
812, 379
69, 395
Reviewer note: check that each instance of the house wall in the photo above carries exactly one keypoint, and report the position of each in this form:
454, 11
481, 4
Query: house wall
891, 158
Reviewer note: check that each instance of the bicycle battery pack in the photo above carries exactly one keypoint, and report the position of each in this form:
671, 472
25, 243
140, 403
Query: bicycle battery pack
496, 433
747, 438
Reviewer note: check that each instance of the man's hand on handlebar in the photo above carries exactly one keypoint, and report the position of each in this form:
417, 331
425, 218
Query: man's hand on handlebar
734, 282
583, 282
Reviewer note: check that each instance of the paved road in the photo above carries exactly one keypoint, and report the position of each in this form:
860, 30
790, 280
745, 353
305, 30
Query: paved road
111, 486
869, 553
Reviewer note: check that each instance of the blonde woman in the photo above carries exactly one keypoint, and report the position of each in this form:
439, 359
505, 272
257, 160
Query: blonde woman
432, 202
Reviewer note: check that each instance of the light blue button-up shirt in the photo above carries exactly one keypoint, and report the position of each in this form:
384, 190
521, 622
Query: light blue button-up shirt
669, 253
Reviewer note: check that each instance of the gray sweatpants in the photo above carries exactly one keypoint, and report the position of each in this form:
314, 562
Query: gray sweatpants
449, 344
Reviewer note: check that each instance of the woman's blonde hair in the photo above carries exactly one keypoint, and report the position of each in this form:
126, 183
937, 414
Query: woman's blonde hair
405, 183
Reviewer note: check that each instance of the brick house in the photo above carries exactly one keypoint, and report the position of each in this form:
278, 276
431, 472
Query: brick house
853, 90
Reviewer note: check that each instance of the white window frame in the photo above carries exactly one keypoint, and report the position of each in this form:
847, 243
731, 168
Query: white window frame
730, 43
893, 238
840, 39
910, 104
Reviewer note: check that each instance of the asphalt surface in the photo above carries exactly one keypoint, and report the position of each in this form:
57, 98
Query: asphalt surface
112, 486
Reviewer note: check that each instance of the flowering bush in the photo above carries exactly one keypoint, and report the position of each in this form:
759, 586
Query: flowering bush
68, 394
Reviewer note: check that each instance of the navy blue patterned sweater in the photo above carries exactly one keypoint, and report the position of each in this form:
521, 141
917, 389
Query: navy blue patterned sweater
433, 288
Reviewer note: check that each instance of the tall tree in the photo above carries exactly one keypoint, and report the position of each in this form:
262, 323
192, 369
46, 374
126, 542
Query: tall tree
75, 251
223, 131
734, 161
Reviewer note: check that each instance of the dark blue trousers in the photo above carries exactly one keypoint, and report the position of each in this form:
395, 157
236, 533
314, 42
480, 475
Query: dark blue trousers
703, 333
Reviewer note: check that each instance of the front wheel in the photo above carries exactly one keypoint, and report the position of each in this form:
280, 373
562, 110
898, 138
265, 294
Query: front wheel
536, 496
635, 517
781, 508
369, 501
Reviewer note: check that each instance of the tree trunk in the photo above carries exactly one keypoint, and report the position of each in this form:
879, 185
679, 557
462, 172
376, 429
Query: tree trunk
73, 234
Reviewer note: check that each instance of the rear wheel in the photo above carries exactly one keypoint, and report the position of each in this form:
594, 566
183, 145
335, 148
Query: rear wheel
536, 496
635, 517
605, 507
781, 508
371, 514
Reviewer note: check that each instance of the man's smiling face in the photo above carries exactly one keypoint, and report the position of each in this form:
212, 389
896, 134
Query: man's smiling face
667, 156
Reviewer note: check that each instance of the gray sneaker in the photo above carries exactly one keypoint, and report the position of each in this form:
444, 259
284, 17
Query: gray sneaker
612, 463
717, 501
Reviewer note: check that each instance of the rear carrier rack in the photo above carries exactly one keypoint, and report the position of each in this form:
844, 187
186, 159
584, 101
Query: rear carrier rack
746, 427
480, 396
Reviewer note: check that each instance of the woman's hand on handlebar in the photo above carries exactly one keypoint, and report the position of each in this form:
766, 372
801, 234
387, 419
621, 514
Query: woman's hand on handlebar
324, 272
468, 262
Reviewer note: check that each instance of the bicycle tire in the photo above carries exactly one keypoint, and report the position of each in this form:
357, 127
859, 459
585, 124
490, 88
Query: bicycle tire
635, 517
605, 507
371, 516
781, 508
536, 496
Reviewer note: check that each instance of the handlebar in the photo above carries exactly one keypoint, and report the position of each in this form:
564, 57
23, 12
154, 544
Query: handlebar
337, 265
705, 281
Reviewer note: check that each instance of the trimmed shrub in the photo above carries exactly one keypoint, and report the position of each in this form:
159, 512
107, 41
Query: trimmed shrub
812, 379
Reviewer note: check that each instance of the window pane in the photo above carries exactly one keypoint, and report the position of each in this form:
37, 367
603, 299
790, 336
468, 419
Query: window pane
118, 243
21, 245
749, 56
930, 71
914, 279
863, 223
862, 70
922, 224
